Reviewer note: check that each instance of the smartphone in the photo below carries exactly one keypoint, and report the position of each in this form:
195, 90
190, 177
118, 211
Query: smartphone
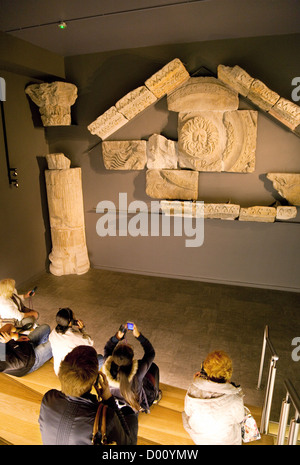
130, 326
33, 291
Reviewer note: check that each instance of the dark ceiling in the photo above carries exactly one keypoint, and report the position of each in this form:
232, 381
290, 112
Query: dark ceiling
105, 25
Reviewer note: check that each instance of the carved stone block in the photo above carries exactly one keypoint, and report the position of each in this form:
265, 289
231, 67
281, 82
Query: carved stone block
107, 123
241, 135
259, 214
202, 94
286, 112
168, 78
236, 77
124, 155
288, 186
54, 101
222, 211
69, 252
135, 101
286, 213
57, 161
161, 153
262, 96
172, 184
201, 140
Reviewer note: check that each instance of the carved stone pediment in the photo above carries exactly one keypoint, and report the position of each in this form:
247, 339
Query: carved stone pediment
172, 184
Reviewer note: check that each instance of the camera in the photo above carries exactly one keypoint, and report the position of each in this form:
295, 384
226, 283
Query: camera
130, 326
74, 323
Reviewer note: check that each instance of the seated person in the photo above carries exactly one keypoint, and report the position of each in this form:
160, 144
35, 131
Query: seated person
24, 354
67, 416
12, 308
135, 383
214, 407
68, 334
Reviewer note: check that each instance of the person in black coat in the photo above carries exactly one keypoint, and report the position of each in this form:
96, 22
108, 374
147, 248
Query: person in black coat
24, 354
67, 416
134, 383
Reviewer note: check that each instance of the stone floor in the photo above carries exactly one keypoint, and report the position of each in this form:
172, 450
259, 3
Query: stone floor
184, 320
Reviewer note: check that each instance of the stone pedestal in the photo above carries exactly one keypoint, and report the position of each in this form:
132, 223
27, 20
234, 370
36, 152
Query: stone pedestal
54, 101
64, 191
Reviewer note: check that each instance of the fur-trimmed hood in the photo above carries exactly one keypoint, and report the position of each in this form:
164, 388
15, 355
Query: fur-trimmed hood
106, 369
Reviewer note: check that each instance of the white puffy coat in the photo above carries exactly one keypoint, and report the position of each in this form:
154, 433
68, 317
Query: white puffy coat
213, 412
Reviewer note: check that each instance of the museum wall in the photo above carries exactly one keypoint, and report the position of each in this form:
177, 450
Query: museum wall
24, 232
233, 252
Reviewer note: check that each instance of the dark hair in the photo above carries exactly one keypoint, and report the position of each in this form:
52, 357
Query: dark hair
63, 319
122, 357
78, 371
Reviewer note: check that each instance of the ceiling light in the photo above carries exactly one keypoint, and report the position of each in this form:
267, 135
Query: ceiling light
62, 25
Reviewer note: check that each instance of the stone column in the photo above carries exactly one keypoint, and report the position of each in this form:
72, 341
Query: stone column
54, 101
64, 191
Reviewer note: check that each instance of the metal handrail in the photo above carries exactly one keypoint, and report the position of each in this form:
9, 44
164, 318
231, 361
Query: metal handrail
291, 397
265, 417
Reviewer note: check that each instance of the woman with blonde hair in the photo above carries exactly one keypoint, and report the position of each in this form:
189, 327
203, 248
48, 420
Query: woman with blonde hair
214, 406
12, 307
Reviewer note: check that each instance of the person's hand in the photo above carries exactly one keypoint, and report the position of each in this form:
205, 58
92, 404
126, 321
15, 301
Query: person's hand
23, 338
5, 337
135, 331
102, 387
80, 324
121, 333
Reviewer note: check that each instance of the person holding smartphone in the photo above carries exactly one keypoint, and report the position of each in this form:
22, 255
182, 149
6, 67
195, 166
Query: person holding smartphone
134, 383
12, 307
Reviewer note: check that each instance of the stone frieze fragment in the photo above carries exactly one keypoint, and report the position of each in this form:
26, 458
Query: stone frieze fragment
259, 214
124, 155
161, 153
107, 123
288, 186
168, 78
172, 184
135, 101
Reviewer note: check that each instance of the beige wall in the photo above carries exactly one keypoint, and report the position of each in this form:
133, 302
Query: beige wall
252, 254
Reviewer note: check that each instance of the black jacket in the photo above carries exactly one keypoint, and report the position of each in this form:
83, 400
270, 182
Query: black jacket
19, 358
138, 371
66, 420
